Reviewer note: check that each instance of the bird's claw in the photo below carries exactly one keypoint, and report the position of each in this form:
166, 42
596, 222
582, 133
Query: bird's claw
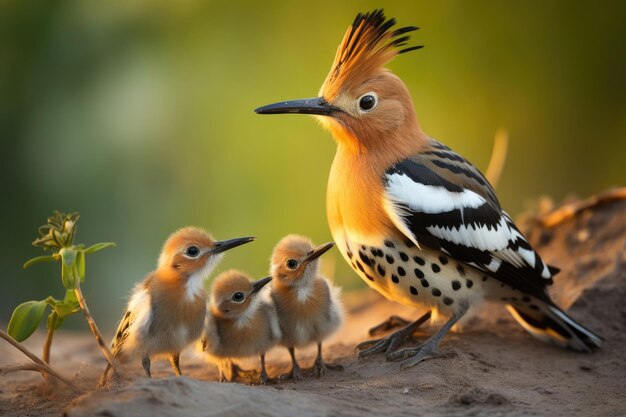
386, 345
264, 379
295, 375
392, 342
391, 323
403, 354
238, 373
413, 356
320, 368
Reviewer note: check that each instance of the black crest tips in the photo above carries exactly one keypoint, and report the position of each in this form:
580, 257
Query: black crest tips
372, 27
368, 44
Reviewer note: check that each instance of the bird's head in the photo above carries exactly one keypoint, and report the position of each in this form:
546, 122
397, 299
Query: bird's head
295, 260
191, 251
233, 294
361, 102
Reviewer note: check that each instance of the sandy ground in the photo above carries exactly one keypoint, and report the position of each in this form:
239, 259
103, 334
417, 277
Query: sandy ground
499, 370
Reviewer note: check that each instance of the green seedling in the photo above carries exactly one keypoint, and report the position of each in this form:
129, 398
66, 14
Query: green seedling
57, 237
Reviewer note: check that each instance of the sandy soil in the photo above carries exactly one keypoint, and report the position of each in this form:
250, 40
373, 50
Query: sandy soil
499, 370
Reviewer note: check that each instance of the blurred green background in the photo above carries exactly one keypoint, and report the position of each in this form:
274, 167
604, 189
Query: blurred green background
139, 115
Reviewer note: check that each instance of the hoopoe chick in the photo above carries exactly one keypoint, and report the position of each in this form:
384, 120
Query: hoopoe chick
308, 305
239, 323
166, 310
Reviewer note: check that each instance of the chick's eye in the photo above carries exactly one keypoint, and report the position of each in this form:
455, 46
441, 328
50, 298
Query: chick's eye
192, 251
292, 263
367, 102
238, 297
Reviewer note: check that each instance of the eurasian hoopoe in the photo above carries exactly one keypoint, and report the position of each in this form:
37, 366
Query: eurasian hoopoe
415, 220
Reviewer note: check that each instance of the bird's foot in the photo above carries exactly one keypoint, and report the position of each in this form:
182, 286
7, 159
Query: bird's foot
251, 375
413, 356
392, 342
320, 368
295, 375
386, 345
263, 379
393, 322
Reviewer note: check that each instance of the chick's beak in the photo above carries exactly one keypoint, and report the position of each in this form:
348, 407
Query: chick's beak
257, 285
224, 245
319, 251
316, 105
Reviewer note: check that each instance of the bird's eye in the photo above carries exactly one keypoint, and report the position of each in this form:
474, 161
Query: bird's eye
192, 251
238, 297
368, 101
292, 263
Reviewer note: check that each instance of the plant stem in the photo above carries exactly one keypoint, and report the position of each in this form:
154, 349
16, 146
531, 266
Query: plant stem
48, 343
94, 328
40, 365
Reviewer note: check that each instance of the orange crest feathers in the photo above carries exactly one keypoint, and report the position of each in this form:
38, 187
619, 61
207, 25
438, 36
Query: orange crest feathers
367, 46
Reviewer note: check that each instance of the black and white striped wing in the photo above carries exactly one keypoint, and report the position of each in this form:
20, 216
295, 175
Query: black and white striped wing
121, 335
440, 200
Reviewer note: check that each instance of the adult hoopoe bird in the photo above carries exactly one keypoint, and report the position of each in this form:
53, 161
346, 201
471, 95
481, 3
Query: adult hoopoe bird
166, 310
307, 304
414, 219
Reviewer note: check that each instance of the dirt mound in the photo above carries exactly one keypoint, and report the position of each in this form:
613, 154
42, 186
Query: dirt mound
498, 370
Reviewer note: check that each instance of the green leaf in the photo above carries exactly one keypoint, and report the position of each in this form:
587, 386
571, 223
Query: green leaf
36, 260
25, 319
54, 320
70, 297
69, 273
59, 322
80, 265
65, 309
68, 306
51, 301
98, 246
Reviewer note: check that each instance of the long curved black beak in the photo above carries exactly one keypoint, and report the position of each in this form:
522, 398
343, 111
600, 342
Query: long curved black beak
224, 245
316, 105
257, 285
319, 251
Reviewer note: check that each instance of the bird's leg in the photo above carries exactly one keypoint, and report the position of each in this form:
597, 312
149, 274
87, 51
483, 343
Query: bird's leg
263, 377
390, 343
428, 350
391, 323
174, 361
319, 369
228, 373
237, 371
222, 370
296, 372
145, 362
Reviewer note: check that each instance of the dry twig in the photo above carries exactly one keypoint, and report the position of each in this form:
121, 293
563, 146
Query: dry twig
570, 210
38, 365
94, 328
498, 157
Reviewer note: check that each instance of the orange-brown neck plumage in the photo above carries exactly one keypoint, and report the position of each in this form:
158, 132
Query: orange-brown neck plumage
386, 126
375, 126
